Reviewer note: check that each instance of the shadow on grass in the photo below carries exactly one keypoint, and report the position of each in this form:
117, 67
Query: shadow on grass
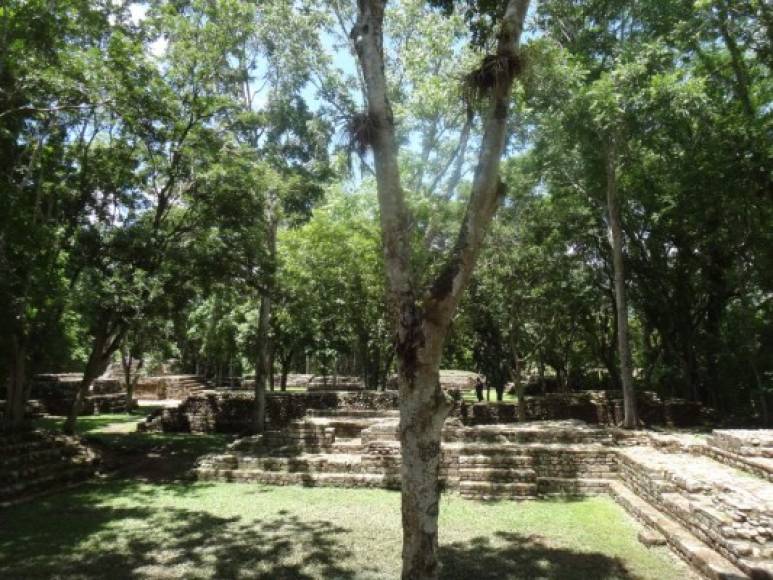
157, 457
99, 541
517, 557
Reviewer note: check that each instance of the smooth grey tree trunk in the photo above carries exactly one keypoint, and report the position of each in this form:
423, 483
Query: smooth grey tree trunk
421, 320
616, 241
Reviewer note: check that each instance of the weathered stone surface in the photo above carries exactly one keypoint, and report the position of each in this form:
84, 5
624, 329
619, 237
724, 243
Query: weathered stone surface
650, 537
718, 519
34, 463
228, 411
174, 387
600, 407
56, 393
728, 510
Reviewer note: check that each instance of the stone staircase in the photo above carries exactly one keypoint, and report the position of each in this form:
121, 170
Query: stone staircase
177, 387
361, 448
35, 463
709, 497
323, 449
182, 386
726, 511
748, 450
489, 473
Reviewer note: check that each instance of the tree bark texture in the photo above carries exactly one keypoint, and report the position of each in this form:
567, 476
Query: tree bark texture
16, 389
421, 320
107, 340
630, 419
263, 362
131, 379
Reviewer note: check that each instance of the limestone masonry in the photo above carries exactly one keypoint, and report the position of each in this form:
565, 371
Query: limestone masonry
710, 498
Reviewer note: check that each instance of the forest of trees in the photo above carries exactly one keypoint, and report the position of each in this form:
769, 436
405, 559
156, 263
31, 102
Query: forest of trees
573, 193
198, 180
194, 180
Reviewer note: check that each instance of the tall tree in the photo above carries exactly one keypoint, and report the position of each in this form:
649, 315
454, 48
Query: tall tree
49, 93
422, 318
616, 241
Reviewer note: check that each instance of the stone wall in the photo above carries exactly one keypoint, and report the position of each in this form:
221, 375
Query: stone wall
32, 409
450, 380
56, 394
168, 387
231, 411
597, 407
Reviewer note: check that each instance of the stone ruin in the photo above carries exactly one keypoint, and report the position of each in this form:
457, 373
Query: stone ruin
709, 497
230, 411
451, 380
600, 407
34, 463
168, 387
55, 394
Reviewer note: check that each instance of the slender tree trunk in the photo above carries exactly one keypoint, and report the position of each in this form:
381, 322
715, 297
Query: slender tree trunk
423, 410
631, 419
261, 365
96, 365
133, 385
17, 390
130, 379
285, 371
519, 386
107, 341
421, 322
270, 364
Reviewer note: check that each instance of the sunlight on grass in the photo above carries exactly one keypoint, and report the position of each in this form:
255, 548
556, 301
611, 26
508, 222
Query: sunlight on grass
184, 530
90, 423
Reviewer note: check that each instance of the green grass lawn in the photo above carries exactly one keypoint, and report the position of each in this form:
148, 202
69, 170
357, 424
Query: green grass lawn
147, 521
167, 455
127, 529
119, 433
93, 423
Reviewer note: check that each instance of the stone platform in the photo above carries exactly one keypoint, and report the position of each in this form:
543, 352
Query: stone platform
35, 463
169, 387
55, 394
709, 496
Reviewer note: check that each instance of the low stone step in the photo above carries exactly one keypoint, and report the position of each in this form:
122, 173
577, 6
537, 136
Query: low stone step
33, 471
496, 474
45, 483
504, 461
344, 445
694, 551
357, 413
304, 479
728, 509
572, 486
758, 466
494, 490
34, 456
326, 463
748, 546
